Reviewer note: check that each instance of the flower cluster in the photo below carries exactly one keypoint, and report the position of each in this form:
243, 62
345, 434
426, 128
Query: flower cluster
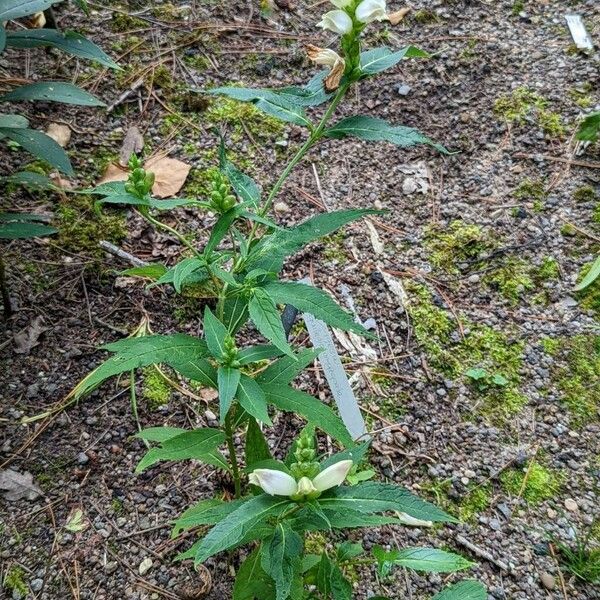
343, 19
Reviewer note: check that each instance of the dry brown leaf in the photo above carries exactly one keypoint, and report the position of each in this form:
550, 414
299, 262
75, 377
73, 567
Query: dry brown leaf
398, 16
61, 134
17, 486
132, 144
29, 337
170, 175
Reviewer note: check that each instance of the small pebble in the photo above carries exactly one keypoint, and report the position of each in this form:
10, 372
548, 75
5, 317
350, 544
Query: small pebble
571, 505
145, 566
548, 581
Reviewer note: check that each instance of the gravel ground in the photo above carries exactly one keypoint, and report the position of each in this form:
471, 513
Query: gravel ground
436, 432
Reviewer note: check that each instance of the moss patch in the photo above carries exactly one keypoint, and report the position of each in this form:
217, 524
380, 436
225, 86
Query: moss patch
14, 581
155, 390
541, 484
511, 280
578, 376
458, 243
474, 503
589, 298
585, 193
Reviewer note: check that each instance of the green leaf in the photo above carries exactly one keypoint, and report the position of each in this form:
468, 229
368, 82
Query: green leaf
314, 301
191, 444
251, 582
284, 111
206, 512
220, 229
373, 497
591, 276
312, 94
463, 590
379, 59
160, 434
2, 37
215, 333
69, 41
15, 9
378, 130
278, 556
235, 313
41, 146
229, 532
590, 128
356, 455
271, 251
330, 580
183, 270
429, 560
154, 272
347, 551
30, 180
228, 380
257, 353
266, 317
252, 398
257, 448
12, 120
284, 370
317, 518
52, 91
182, 352
245, 187
314, 411
15, 226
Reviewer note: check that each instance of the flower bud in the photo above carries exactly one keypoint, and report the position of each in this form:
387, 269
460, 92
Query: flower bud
332, 476
305, 487
337, 21
371, 10
273, 482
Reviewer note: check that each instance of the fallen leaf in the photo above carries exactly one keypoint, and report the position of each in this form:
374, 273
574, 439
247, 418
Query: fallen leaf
29, 337
61, 134
376, 242
132, 144
396, 17
170, 175
76, 522
18, 486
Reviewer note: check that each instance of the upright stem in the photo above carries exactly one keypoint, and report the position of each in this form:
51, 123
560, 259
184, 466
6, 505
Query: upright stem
4, 289
232, 456
170, 229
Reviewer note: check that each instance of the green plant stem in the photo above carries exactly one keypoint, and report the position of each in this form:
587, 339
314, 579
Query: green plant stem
4, 289
170, 229
134, 409
232, 456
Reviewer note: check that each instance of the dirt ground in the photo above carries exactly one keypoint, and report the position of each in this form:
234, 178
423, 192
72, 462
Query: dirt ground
472, 267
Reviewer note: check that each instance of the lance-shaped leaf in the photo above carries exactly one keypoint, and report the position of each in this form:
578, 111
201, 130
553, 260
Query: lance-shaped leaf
153, 272
15, 9
330, 580
257, 353
378, 130
52, 91
200, 444
177, 350
590, 277
206, 512
183, 270
356, 455
252, 399
312, 94
15, 226
284, 370
40, 145
314, 301
251, 582
230, 531
257, 448
430, 560
266, 317
235, 313
590, 128
245, 187
317, 518
279, 554
271, 251
373, 497
69, 41
228, 380
313, 410
379, 59
215, 333
463, 590
31, 181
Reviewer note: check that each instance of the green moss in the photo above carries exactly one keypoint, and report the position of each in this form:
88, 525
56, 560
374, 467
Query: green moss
542, 483
522, 104
531, 190
550, 345
511, 280
518, 7
548, 270
582, 96
425, 16
482, 347
155, 390
334, 248
122, 22
585, 193
460, 242
80, 227
577, 376
117, 506
568, 230
596, 215
382, 377
475, 502
14, 581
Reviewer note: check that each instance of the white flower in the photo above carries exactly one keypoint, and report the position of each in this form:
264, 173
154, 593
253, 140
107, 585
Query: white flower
275, 483
332, 476
329, 58
341, 3
278, 483
337, 21
371, 10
